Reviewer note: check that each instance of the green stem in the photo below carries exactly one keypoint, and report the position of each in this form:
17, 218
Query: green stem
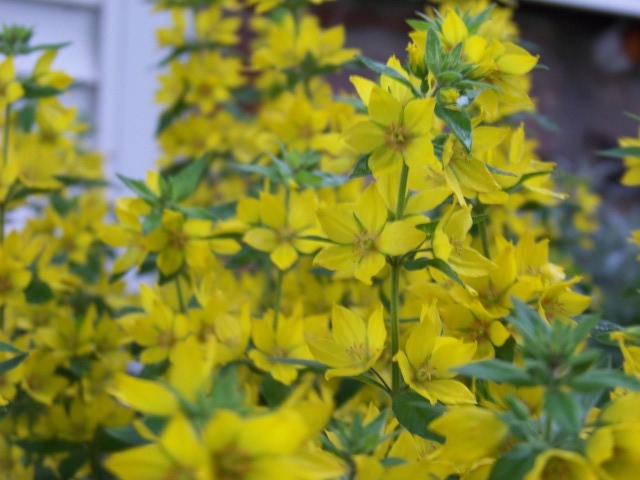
402, 192
394, 298
484, 235
180, 297
395, 326
277, 299
5, 135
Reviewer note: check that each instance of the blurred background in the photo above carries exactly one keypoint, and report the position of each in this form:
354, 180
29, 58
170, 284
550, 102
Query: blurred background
591, 49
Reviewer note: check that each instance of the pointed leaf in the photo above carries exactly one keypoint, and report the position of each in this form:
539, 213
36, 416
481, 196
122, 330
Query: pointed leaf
414, 412
459, 123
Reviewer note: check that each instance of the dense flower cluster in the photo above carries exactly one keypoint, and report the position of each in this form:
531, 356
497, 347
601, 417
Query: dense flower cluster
335, 287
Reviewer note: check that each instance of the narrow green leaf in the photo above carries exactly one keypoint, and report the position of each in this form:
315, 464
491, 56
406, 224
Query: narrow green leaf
496, 371
244, 257
47, 46
11, 363
437, 263
185, 182
429, 228
300, 362
514, 464
388, 71
26, 117
632, 116
604, 379
419, 25
7, 347
362, 168
126, 434
139, 188
564, 409
459, 123
33, 90
620, 152
433, 51
497, 171
415, 412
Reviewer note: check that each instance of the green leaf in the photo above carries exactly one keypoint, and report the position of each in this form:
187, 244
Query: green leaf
564, 409
496, 371
244, 257
497, 171
33, 90
139, 188
151, 222
438, 144
419, 25
7, 347
414, 412
12, 363
388, 71
514, 464
118, 438
227, 391
319, 179
448, 77
273, 391
429, 228
632, 116
170, 115
54, 445
26, 117
459, 123
604, 379
185, 182
583, 327
433, 51
47, 46
620, 152
438, 264
38, 292
362, 168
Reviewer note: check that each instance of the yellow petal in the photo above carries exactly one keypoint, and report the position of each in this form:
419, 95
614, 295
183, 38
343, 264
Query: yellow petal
399, 238
383, 108
454, 29
263, 239
364, 137
338, 224
284, 255
418, 116
336, 257
368, 266
144, 395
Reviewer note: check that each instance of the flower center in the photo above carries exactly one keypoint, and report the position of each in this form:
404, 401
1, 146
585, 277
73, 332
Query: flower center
397, 137
232, 464
365, 242
425, 373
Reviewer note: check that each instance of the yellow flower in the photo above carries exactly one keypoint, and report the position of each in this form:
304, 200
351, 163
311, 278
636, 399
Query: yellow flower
615, 451
178, 454
471, 433
355, 346
428, 357
174, 240
283, 228
557, 464
363, 236
10, 88
286, 340
395, 134
557, 301
632, 176
466, 173
450, 243
256, 448
14, 278
158, 330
